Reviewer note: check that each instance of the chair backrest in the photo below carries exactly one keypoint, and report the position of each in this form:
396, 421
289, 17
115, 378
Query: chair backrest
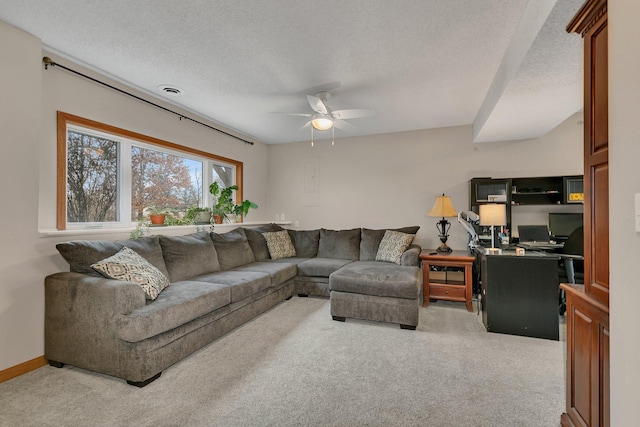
575, 243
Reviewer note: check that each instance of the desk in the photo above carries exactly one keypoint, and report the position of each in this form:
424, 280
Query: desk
520, 294
451, 290
541, 246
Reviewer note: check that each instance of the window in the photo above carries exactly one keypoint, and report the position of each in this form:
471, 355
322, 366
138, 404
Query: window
110, 177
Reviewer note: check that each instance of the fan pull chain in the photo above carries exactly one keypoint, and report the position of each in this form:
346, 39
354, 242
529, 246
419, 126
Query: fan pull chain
333, 136
312, 136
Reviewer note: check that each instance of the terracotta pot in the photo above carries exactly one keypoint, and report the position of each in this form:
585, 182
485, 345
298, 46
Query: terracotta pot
217, 219
157, 219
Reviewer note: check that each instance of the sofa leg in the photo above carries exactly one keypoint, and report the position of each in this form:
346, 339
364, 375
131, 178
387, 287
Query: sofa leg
145, 382
55, 364
288, 298
338, 318
409, 327
302, 295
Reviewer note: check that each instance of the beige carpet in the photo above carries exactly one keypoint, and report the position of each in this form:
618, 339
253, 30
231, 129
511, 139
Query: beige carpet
294, 366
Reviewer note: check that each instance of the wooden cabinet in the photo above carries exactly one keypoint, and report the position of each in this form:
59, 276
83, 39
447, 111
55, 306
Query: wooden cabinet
587, 374
447, 276
587, 360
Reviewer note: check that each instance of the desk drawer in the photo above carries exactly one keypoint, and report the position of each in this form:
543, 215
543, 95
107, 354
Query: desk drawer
447, 292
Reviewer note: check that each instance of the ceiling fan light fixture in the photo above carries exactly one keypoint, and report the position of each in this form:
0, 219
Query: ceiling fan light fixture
322, 123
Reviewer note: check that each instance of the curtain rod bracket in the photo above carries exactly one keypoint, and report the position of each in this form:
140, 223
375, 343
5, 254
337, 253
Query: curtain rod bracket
49, 62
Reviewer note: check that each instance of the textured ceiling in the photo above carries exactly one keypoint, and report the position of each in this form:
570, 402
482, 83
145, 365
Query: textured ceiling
418, 64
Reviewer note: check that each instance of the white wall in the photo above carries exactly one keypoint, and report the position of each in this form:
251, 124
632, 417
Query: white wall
624, 183
392, 180
31, 97
21, 297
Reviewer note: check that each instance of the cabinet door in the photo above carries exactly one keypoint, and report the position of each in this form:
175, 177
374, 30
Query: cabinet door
587, 361
596, 163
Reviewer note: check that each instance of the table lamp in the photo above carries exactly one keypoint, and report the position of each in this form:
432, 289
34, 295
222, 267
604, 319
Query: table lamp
493, 214
443, 208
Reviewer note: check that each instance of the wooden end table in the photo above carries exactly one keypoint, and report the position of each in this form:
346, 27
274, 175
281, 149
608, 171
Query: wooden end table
442, 287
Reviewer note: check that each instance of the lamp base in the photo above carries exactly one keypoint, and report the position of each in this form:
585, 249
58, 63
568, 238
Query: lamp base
443, 248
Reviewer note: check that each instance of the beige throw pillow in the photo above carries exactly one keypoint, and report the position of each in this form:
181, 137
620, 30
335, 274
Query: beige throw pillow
279, 244
393, 245
131, 267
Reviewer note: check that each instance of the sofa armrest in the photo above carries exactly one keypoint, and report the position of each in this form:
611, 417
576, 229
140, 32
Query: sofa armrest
411, 257
81, 316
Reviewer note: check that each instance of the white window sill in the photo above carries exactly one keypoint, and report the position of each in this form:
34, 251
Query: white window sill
172, 229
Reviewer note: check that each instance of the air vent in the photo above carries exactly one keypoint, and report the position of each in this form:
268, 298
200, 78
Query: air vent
170, 90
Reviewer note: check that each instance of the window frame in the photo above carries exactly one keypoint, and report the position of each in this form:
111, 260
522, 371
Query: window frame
64, 120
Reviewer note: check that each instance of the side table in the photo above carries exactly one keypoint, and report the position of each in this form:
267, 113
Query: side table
442, 287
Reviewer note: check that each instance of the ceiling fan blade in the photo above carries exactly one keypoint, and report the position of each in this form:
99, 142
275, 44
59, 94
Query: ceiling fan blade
292, 114
342, 125
306, 126
353, 113
317, 104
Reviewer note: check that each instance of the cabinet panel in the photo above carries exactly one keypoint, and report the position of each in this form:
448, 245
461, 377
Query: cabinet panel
587, 360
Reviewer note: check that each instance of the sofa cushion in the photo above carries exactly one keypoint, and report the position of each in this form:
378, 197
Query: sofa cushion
322, 267
306, 242
82, 254
232, 248
129, 266
279, 272
370, 241
189, 256
279, 244
241, 283
378, 279
293, 260
257, 241
342, 244
393, 245
176, 305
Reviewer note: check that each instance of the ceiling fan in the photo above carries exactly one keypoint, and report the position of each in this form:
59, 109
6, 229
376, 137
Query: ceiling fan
323, 118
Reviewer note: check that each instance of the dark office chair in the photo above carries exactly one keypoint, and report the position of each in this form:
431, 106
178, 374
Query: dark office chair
571, 267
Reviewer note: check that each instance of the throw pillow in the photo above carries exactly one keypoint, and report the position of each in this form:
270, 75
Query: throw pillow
306, 242
370, 240
393, 245
189, 256
279, 244
82, 253
339, 244
131, 267
233, 248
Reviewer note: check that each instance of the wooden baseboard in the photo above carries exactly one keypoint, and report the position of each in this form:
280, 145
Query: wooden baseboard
22, 368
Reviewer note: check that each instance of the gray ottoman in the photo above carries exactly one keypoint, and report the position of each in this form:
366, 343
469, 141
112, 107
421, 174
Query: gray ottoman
379, 291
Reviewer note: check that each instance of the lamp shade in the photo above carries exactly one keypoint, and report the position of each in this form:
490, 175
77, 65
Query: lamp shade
493, 214
443, 207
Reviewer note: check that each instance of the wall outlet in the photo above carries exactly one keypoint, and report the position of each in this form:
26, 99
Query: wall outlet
277, 217
281, 217
296, 223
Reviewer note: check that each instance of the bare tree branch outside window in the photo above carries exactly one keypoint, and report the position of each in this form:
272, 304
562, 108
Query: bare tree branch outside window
92, 171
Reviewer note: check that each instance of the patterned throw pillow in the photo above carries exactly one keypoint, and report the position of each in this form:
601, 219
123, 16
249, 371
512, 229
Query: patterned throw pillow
128, 265
393, 245
279, 244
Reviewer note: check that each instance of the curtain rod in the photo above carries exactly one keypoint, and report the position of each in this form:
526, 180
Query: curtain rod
48, 61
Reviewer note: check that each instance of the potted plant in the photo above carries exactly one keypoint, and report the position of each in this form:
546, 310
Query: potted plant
157, 215
223, 204
225, 207
198, 215
242, 209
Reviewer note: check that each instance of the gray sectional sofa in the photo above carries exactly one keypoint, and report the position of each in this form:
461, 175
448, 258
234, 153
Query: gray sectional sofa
218, 281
